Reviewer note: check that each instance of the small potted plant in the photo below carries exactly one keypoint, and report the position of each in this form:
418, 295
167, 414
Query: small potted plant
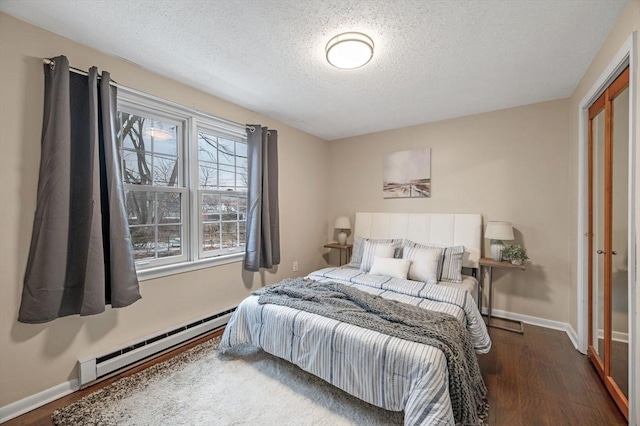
515, 253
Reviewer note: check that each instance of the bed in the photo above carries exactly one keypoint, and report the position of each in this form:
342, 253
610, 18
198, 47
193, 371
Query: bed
390, 372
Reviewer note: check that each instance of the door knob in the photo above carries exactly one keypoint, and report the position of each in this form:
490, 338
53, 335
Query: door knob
600, 252
614, 252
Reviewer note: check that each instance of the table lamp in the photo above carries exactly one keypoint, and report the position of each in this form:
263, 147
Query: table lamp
342, 223
498, 231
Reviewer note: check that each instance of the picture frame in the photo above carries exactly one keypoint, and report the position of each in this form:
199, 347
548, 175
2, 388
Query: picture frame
407, 174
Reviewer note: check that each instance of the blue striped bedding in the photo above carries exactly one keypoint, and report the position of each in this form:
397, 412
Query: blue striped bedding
440, 298
385, 371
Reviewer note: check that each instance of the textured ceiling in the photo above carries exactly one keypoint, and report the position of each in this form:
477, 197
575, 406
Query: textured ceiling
433, 59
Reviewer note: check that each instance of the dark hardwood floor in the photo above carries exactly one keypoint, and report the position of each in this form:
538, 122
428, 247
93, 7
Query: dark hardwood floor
533, 379
539, 378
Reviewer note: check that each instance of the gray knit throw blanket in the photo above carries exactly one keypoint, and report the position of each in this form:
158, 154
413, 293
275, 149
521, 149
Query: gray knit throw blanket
442, 331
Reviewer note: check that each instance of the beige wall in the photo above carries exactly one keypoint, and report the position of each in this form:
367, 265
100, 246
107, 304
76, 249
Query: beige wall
36, 357
506, 165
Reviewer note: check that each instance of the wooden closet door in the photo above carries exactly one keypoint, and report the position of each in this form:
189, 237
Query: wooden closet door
597, 209
608, 238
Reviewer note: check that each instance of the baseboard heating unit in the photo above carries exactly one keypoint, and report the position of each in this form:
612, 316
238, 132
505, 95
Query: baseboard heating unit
100, 366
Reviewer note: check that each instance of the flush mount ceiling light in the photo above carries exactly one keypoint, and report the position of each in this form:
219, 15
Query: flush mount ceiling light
349, 50
158, 133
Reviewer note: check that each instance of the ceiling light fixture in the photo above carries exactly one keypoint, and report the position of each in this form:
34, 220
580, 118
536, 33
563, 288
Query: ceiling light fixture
349, 50
158, 133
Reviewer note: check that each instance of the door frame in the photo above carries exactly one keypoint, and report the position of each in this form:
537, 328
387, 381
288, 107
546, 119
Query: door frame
626, 56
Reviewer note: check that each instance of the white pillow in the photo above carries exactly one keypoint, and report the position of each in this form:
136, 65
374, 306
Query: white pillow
424, 265
450, 267
390, 267
372, 249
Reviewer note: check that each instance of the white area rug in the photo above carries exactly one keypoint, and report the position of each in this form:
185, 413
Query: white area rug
246, 386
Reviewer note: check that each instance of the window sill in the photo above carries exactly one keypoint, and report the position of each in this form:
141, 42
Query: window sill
179, 268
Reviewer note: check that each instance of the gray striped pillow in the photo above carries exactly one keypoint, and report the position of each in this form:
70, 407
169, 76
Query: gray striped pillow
356, 253
371, 250
450, 267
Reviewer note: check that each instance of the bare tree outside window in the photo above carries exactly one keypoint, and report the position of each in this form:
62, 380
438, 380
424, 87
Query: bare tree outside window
149, 150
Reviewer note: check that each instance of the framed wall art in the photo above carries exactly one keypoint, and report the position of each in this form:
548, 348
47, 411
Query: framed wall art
407, 174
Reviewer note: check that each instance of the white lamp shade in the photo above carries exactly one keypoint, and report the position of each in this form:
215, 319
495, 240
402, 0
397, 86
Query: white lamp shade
499, 231
343, 222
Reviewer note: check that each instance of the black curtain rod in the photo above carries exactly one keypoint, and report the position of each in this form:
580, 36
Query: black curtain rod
52, 63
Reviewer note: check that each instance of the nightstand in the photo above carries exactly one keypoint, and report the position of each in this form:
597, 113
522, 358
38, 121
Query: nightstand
490, 263
346, 249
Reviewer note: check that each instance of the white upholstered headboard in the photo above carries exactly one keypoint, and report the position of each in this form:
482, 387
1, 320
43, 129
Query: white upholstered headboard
424, 228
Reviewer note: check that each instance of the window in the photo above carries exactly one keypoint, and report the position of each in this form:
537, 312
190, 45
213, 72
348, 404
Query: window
222, 167
154, 186
185, 181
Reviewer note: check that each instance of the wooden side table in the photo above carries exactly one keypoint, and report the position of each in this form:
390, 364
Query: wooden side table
490, 263
346, 249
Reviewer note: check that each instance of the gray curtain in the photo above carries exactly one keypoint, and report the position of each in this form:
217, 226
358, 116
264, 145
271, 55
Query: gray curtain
263, 223
81, 257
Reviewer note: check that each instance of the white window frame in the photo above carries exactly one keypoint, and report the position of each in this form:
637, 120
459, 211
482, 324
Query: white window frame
204, 128
190, 121
181, 188
206, 254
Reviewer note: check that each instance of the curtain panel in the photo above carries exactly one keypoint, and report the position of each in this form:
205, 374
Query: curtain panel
81, 257
263, 223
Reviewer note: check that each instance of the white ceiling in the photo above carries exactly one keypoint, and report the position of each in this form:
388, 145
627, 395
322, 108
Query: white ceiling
433, 60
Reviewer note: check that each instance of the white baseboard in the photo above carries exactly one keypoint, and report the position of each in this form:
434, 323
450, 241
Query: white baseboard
573, 336
32, 402
540, 322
